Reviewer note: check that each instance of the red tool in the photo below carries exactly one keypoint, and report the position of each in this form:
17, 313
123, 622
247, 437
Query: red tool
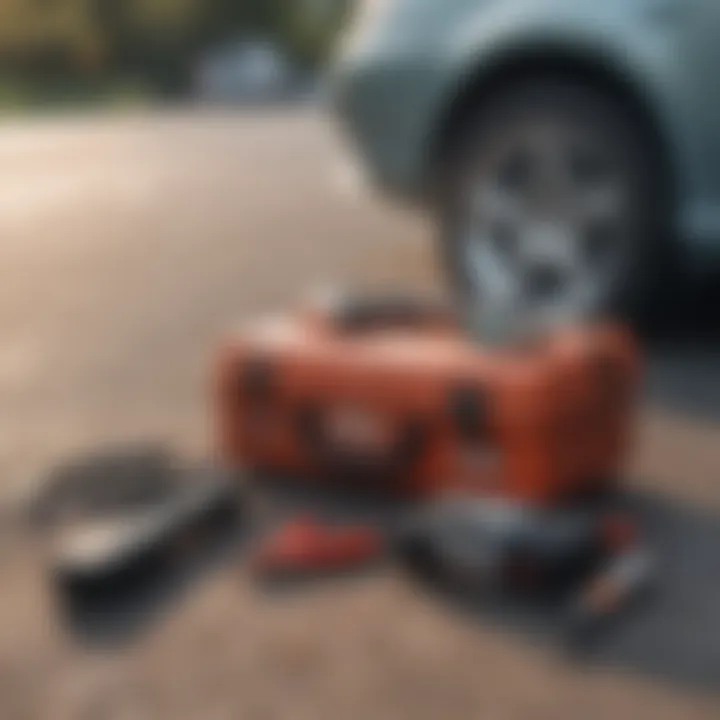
309, 546
627, 575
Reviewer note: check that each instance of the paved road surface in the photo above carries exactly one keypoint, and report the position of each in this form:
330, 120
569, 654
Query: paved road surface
126, 246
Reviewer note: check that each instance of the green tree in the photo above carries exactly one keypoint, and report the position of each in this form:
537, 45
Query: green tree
152, 38
60, 33
311, 26
155, 40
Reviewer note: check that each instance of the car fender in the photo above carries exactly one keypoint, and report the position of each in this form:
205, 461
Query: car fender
613, 35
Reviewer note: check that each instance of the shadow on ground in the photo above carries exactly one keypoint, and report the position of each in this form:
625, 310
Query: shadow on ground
684, 360
672, 636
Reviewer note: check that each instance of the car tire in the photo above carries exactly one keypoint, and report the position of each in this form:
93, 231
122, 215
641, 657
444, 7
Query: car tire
635, 235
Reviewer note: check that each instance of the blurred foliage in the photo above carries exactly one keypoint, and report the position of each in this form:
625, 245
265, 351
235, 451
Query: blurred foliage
154, 43
310, 28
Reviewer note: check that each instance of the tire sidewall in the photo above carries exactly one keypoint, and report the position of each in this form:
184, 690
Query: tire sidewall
647, 243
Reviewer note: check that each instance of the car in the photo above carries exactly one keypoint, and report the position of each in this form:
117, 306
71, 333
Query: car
568, 150
244, 71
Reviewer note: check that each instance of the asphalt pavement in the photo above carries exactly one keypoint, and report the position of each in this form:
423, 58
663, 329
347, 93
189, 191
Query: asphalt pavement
128, 245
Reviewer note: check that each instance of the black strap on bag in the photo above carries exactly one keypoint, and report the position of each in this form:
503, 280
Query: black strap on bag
358, 315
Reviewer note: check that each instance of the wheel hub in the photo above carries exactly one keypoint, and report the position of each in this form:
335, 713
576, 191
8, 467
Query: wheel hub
541, 234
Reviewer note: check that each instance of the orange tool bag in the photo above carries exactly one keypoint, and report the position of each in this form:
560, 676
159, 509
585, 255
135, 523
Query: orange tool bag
391, 396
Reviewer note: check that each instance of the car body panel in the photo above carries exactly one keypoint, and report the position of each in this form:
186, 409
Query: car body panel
397, 78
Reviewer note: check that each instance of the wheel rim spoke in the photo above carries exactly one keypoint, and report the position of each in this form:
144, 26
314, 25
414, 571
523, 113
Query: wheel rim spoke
545, 222
492, 271
599, 202
550, 151
492, 203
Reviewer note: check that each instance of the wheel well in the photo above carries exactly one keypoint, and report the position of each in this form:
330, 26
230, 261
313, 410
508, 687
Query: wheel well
478, 87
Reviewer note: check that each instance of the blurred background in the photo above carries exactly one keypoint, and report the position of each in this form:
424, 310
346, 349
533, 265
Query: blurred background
70, 52
168, 169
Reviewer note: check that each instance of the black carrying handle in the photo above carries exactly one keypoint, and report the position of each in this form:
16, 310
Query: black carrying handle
358, 315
